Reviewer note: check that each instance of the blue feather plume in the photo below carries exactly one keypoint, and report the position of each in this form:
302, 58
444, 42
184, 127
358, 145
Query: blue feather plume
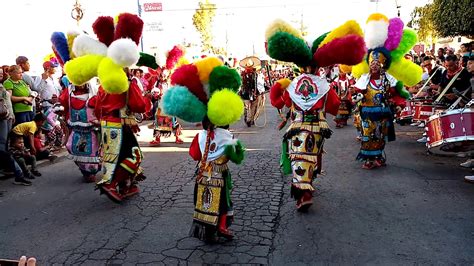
59, 41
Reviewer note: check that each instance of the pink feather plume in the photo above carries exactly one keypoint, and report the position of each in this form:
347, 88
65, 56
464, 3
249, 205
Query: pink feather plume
347, 50
104, 29
395, 32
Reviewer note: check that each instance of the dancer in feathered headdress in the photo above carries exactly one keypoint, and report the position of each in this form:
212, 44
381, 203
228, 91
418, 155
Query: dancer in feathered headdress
165, 125
379, 92
206, 91
118, 99
82, 144
343, 84
309, 96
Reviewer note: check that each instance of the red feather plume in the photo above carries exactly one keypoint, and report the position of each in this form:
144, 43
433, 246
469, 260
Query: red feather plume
187, 75
57, 56
173, 56
129, 26
347, 50
104, 29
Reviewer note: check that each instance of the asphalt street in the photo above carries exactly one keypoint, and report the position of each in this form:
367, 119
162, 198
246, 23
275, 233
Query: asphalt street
417, 210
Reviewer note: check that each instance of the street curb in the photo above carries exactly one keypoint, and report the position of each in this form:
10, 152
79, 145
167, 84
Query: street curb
61, 156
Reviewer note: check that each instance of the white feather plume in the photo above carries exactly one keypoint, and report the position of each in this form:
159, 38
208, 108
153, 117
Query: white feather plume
124, 52
376, 33
84, 44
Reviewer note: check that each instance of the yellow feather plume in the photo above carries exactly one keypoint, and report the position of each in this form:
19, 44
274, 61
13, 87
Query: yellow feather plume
284, 83
406, 71
112, 77
82, 69
377, 16
350, 27
205, 67
345, 68
360, 69
70, 41
281, 25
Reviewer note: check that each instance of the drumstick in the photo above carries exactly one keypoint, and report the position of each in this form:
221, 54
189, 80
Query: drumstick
426, 83
447, 87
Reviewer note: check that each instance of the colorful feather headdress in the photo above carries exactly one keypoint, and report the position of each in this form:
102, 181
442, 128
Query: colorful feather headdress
116, 48
205, 88
343, 45
387, 40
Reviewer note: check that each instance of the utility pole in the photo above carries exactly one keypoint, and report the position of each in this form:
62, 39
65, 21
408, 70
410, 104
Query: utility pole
140, 15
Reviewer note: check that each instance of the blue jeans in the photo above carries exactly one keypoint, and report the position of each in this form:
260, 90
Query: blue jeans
5, 127
24, 117
11, 164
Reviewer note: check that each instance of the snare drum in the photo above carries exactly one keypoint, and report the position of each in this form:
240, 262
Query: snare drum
451, 132
406, 115
422, 112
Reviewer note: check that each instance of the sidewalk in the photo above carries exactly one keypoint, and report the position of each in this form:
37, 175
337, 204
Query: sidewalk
61, 155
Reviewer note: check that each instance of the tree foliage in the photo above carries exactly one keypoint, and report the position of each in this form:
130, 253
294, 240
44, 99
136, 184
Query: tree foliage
422, 21
444, 18
202, 21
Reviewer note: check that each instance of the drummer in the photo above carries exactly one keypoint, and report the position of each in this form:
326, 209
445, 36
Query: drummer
461, 84
470, 163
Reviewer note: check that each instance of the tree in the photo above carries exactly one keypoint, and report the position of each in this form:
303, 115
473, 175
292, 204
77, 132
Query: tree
202, 20
422, 21
444, 18
453, 18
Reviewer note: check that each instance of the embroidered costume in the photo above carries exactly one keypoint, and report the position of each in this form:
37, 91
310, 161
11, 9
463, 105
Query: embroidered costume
82, 144
309, 97
165, 125
378, 91
205, 91
342, 85
117, 99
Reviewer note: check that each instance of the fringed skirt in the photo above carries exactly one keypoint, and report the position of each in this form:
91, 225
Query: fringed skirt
344, 112
377, 129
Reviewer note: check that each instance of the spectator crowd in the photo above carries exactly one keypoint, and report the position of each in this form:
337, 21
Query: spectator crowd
30, 128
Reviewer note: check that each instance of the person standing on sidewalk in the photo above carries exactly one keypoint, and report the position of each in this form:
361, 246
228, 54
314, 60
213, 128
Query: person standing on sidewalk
309, 97
21, 96
5, 128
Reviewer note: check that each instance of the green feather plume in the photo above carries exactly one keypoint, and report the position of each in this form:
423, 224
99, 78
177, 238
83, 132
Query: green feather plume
402, 91
286, 47
224, 77
409, 39
147, 60
318, 41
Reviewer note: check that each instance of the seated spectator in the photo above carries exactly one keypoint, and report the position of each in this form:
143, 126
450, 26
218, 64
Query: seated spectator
11, 165
42, 152
23, 157
27, 131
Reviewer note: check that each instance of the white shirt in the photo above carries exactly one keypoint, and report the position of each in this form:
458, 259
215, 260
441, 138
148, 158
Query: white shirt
51, 87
